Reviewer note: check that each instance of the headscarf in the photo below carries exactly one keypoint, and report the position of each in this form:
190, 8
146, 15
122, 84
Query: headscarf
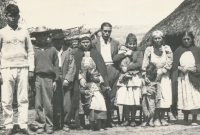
157, 33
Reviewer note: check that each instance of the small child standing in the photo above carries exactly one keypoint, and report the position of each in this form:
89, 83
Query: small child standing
151, 94
94, 101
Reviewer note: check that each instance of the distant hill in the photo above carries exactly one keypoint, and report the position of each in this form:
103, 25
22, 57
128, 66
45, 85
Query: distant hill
120, 32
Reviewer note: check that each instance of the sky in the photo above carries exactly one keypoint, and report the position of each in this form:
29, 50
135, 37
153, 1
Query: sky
92, 13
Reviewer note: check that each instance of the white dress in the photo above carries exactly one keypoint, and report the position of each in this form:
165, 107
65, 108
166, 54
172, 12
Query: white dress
166, 90
188, 96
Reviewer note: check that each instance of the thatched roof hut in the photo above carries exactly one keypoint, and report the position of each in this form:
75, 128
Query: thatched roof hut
185, 17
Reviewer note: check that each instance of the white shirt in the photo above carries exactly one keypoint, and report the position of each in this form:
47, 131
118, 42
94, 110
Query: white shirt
59, 56
106, 51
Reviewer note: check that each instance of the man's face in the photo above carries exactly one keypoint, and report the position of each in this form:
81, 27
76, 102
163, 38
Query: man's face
106, 32
12, 19
86, 44
42, 38
58, 43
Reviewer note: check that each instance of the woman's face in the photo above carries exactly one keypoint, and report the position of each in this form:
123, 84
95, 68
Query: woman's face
187, 41
158, 40
85, 44
132, 45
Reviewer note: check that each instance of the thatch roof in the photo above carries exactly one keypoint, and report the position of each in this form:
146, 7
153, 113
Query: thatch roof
185, 17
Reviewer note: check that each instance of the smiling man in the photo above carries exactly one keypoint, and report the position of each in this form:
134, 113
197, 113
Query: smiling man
17, 66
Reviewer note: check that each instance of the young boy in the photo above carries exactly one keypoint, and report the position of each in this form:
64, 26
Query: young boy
17, 66
47, 75
151, 94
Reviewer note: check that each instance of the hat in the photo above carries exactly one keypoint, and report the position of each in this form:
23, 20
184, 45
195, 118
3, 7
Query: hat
84, 36
157, 33
38, 30
57, 34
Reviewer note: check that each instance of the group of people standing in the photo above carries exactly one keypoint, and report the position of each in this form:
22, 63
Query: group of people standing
93, 78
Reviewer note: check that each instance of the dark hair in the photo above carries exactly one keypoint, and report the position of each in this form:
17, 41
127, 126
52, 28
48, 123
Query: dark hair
88, 75
12, 9
130, 37
152, 67
190, 34
105, 24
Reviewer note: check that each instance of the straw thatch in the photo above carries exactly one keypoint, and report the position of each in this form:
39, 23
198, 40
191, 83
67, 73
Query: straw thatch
185, 17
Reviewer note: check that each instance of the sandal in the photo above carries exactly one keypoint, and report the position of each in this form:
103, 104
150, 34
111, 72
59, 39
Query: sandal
126, 123
157, 123
194, 124
164, 122
133, 124
144, 124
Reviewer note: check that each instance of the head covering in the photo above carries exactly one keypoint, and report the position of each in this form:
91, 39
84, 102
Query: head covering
131, 38
157, 33
57, 34
84, 36
38, 30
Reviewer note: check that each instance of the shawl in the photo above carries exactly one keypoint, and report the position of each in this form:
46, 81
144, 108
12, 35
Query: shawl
193, 77
100, 64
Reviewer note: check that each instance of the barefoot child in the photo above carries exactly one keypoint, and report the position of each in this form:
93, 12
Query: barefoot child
150, 95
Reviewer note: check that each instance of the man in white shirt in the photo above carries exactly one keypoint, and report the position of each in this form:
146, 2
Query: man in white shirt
108, 47
17, 66
62, 97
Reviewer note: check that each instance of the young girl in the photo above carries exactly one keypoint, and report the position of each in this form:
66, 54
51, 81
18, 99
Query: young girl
94, 102
150, 94
129, 82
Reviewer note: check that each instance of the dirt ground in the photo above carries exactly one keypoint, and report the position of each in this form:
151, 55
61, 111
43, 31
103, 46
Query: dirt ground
176, 127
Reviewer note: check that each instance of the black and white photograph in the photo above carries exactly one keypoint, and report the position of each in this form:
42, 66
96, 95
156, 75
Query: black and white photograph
100, 67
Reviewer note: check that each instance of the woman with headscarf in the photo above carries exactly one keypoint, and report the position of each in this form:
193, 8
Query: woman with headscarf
186, 78
128, 93
86, 58
161, 55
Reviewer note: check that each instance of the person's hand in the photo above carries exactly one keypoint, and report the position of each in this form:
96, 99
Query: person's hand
124, 69
65, 83
192, 69
83, 82
87, 92
159, 77
151, 90
146, 79
182, 69
54, 86
129, 53
1, 79
30, 76
108, 88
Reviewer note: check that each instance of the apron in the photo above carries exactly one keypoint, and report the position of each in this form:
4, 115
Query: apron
166, 91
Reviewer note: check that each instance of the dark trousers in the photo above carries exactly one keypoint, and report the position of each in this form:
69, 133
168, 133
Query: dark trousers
66, 106
57, 106
62, 106
113, 74
43, 101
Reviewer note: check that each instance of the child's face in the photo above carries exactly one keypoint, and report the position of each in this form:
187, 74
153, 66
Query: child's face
95, 76
132, 45
151, 75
